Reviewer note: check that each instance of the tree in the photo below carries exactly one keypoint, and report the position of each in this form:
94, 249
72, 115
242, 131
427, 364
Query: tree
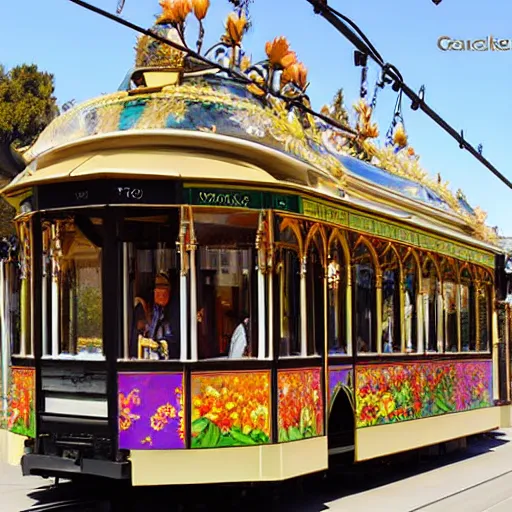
339, 113
27, 104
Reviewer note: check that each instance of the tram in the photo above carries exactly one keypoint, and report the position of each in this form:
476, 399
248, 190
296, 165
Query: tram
215, 286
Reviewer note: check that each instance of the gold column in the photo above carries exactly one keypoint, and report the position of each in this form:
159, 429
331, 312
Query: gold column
459, 317
420, 325
303, 309
507, 348
378, 301
477, 314
348, 309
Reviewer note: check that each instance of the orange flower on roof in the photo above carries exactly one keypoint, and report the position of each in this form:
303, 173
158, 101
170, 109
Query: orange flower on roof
279, 53
174, 11
297, 74
200, 8
235, 27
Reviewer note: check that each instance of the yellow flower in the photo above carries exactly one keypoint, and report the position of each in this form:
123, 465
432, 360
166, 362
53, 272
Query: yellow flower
245, 64
400, 137
200, 8
230, 405
279, 53
235, 27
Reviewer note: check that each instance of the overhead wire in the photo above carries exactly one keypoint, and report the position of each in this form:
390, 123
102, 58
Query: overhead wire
355, 35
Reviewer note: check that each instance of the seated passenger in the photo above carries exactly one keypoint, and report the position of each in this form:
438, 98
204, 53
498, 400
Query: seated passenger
155, 338
239, 346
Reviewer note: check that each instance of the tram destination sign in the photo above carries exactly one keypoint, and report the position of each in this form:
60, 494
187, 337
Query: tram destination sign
100, 192
240, 198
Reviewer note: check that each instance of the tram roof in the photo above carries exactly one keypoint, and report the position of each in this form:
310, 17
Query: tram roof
192, 103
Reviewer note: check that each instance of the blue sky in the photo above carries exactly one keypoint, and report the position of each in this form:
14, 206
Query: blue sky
89, 55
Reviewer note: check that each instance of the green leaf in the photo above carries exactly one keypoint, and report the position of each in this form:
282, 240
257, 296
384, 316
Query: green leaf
199, 425
283, 435
226, 441
441, 405
255, 434
212, 436
294, 434
241, 438
196, 442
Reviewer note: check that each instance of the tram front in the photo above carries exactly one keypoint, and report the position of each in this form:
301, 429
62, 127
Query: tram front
146, 324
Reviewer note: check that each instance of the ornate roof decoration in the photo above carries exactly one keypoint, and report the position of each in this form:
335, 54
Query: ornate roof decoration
269, 110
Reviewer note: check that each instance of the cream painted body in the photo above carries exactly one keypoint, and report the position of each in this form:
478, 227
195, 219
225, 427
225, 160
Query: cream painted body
372, 442
11, 447
263, 463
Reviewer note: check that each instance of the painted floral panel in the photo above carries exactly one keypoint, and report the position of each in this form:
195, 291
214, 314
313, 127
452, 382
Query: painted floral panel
390, 393
300, 404
21, 413
230, 409
151, 411
340, 377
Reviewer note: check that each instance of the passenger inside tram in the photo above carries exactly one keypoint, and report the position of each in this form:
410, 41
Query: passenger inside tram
153, 330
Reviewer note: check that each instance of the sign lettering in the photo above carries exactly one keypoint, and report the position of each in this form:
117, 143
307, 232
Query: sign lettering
224, 199
130, 193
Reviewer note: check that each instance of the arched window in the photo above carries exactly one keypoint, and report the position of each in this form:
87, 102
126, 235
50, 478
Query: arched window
450, 322
484, 298
337, 298
315, 295
288, 277
390, 334
467, 311
431, 304
364, 303
411, 276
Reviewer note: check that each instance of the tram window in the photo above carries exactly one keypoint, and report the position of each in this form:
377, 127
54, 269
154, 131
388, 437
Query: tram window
467, 312
13, 306
151, 287
484, 317
364, 303
315, 299
73, 299
226, 285
22, 342
432, 305
410, 308
390, 335
337, 300
288, 269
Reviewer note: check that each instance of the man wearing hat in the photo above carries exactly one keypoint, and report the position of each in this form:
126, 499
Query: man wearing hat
156, 339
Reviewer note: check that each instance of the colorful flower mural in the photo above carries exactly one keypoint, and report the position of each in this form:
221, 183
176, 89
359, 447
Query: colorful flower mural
21, 414
300, 404
390, 393
230, 409
151, 413
340, 378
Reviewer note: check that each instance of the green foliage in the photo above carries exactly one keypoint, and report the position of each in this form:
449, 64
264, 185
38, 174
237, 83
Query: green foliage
27, 104
89, 324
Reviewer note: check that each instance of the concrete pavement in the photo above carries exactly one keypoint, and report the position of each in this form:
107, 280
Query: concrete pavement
15, 489
478, 480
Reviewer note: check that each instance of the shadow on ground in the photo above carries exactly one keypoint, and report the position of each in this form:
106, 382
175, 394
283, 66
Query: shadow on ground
308, 494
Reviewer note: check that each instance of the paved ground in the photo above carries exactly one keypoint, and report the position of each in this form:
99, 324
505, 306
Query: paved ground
477, 480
